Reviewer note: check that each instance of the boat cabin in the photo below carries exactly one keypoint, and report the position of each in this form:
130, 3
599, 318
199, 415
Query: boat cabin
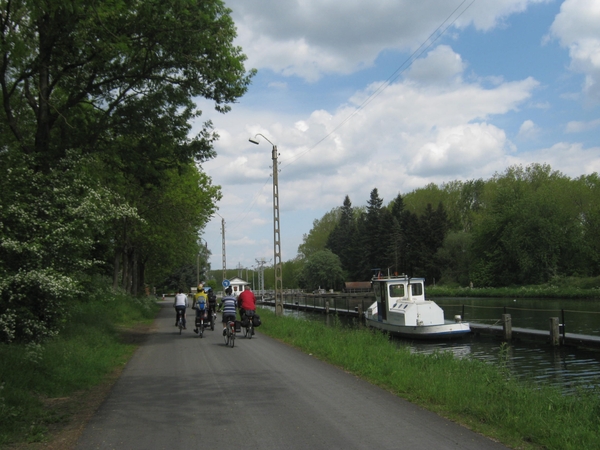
401, 301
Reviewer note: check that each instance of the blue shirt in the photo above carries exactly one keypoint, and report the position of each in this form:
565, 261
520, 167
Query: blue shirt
228, 305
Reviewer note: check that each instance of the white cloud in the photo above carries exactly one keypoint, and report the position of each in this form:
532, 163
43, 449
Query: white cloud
428, 131
310, 38
528, 130
577, 28
578, 127
433, 124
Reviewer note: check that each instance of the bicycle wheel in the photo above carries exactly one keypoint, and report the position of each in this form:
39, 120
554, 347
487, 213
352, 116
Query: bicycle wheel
180, 326
231, 334
201, 329
226, 337
250, 331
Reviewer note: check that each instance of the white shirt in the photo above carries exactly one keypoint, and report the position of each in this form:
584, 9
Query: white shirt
181, 300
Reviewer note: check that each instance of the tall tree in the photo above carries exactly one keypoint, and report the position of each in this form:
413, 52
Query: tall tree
317, 238
323, 270
372, 236
341, 238
70, 72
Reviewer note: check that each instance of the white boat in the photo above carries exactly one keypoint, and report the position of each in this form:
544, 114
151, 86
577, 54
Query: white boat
401, 309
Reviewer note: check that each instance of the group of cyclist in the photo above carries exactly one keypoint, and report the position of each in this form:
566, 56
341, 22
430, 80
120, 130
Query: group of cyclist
205, 302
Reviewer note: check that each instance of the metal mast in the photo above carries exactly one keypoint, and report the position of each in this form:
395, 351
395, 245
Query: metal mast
277, 239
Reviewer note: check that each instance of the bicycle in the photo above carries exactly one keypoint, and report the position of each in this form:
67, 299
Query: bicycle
230, 334
180, 320
200, 323
249, 325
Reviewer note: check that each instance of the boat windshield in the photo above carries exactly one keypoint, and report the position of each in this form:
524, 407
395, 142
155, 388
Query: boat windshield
416, 289
397, 290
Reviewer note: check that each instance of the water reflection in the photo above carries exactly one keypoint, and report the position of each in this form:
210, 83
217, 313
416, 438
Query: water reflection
565, 367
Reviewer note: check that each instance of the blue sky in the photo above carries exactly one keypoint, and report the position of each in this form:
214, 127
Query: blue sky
507, 82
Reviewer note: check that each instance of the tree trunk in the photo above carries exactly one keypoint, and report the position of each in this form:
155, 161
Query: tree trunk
117, 268
134, 273
126, 271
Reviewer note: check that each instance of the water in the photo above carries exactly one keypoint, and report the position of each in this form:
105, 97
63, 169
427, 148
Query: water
580, 316
568, 368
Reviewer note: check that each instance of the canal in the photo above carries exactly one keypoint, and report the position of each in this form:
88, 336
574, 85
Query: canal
568, 368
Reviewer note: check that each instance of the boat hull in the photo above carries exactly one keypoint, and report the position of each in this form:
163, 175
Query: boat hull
448, 330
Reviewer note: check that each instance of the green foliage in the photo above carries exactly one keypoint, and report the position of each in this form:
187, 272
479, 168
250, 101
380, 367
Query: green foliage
323, 269
101, 167
72, 76
524, 226
561, 288
316, 239
48, 228
529, 229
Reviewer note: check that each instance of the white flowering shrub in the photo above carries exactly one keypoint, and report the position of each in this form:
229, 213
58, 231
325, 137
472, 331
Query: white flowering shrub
49, 225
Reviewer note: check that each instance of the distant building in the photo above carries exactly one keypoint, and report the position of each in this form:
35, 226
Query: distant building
357, 286
238, 285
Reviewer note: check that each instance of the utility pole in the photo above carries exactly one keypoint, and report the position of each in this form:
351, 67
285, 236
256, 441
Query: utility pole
276, 232
223, 246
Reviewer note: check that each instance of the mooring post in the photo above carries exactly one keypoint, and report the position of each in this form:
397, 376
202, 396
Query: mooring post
326, 306
507, 326
554, 331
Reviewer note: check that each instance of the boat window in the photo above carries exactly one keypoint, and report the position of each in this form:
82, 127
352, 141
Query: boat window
397, 290
416, 289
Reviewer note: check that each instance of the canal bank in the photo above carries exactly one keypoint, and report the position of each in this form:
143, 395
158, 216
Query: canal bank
566, 367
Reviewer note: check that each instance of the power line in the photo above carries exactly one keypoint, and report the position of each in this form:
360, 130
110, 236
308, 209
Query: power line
432, 38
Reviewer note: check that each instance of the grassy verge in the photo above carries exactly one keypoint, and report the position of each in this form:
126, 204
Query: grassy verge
39, 383
479, 395
573, 288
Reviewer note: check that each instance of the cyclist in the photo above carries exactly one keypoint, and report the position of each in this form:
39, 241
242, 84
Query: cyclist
212, 301
200, 303
228, 306
180, 304
246, 302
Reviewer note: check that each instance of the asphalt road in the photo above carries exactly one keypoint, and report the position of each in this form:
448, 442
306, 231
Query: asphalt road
183, 392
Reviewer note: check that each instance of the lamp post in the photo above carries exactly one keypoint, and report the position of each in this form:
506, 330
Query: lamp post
276, 234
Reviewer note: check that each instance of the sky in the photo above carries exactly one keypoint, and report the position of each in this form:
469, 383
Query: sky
395, 95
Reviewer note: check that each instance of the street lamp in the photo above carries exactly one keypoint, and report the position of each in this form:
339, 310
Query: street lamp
276, 235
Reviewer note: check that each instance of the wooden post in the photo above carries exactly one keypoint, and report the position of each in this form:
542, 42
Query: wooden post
554, 331
326, 306
507, 326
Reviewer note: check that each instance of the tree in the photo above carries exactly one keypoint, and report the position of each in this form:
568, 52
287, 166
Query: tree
323, 269
530, 229
341, 239
97, 104
372, 236
71, 73
318, 236
49, 224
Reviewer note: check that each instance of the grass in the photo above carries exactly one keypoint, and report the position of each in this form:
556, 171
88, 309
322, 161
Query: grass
480, 395
563, 288
36, 381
